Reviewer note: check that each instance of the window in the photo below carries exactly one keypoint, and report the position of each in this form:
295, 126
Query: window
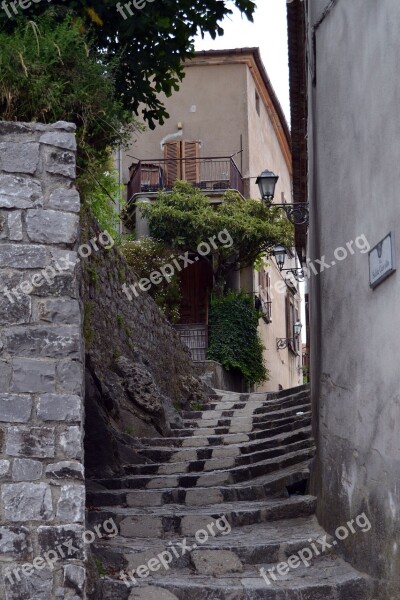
182, 162
291, 318
265, 295
257, 103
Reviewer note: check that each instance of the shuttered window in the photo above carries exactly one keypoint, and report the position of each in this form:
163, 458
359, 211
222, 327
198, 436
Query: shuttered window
290, 321
190, 162
182, 162
172, 155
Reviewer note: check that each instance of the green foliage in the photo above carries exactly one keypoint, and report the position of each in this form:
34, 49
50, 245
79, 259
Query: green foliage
184, 218
177, 406
100, 568
146, 256
103, 194
149, 46
51, 71
234, 338
120, 321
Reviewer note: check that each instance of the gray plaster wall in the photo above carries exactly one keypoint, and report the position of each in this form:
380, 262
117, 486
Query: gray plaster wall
354, 178
42, 494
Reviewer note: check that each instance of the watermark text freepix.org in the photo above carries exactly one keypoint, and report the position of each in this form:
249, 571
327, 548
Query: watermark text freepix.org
49, 273
137, 4
320, 265
316, 548
22, 4
64, 550
175, 551
168, 270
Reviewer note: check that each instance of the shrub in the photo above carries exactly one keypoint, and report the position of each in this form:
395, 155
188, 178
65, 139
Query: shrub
49, 71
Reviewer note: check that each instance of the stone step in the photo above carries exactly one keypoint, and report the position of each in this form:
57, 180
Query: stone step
258, 489
255, 419
169, 455
218, 463
248, 406
327, 578
240, 426
230, 409
250, 396
211, 479
240, 414
175, 520
269, 542
201, 441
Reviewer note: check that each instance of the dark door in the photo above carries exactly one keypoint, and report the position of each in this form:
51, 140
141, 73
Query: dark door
196, 284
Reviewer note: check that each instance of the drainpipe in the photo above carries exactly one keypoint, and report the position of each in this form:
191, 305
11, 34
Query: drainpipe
170, 138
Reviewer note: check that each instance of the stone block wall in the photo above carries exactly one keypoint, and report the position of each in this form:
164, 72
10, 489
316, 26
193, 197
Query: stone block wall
119, 323
138, 372
42, 494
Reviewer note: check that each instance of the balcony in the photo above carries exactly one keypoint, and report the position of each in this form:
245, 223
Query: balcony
214, 174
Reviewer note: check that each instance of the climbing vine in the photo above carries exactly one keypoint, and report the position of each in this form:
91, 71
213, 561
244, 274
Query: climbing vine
234, 338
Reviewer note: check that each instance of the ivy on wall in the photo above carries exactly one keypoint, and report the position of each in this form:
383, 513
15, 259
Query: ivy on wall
234, 338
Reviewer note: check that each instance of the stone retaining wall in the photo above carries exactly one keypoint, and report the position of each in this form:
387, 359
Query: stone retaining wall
42, 495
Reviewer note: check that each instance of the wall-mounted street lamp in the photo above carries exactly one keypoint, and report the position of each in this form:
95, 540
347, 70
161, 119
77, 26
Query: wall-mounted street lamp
282, 343
280, 255
267, 182
298, 214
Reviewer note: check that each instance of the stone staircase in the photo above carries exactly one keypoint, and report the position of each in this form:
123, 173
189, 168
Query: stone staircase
219, 509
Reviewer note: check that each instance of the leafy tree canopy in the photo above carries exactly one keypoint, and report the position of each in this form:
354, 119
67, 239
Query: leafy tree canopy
184, 218
150, 45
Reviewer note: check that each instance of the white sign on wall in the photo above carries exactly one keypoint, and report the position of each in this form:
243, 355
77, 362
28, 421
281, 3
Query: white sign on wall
382, 260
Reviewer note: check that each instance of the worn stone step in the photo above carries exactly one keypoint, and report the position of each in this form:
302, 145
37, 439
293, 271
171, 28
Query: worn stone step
226, 421
218, 463
248, 407
242, 424
270, 542
246, 412
243, 428
211, 479
175, 520
229, 397
226, 417
328, 578
168, 455
249, 396
251, 408
202, 441
257, 489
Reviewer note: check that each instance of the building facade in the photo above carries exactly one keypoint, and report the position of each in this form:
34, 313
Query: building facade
344, 60
225, 127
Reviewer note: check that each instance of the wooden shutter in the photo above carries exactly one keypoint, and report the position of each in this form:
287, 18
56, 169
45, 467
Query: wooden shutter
290, 320
191, 163
172, 156
287, 311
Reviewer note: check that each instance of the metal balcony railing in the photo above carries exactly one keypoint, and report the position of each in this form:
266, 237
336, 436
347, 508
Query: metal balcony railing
208, 174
